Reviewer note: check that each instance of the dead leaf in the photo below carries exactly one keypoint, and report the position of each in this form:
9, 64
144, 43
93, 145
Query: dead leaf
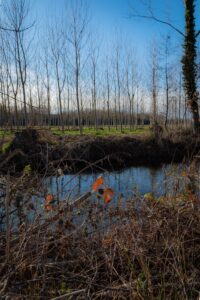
108, 195
98, 183
49, 198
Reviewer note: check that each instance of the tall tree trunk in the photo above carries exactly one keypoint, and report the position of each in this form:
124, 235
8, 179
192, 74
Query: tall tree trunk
167, 96
80, 124
189, 63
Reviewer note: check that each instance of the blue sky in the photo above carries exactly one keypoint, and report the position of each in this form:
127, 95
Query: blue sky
107, 16
111, 16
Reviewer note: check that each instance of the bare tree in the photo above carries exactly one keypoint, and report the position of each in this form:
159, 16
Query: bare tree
77, 36
118, 82
58, 52
167, 70
154, 83
11, 73
130, 85
167, 79
189, 66
47, 86
16, 13
94, 61
108, 93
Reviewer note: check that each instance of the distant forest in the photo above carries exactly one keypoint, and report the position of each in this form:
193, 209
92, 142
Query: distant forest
60, 76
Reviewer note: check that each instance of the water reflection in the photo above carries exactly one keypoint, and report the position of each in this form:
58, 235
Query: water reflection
168, 179
126, 182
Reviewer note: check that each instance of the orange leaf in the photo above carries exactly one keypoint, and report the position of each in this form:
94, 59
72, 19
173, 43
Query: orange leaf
48, 207
49, 198
108, 195
98, 183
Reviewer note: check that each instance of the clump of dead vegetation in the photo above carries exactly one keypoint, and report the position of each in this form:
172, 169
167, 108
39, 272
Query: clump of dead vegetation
146, 249
45, 152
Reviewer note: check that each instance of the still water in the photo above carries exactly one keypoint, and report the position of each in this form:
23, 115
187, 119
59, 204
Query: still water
125, 183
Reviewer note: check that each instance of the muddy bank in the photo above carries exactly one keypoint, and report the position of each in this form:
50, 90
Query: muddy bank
45, 152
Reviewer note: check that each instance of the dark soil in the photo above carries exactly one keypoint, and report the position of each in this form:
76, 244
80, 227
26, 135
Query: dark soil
45, 152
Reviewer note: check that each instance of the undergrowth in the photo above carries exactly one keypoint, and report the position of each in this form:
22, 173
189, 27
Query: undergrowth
148, 249
141, 248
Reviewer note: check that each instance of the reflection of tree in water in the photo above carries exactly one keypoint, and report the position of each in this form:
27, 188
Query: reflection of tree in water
57, 189
62, 186
131, 182
165, 183
79, 184
119, 182
122, 180
153, 181
128, 182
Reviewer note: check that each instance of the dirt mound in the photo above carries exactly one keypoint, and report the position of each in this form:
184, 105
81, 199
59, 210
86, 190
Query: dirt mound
113, 152
25, 149
45, 152
24, 140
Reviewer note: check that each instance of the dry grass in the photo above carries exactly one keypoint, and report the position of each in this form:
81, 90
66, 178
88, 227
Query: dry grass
149, 250
146, 249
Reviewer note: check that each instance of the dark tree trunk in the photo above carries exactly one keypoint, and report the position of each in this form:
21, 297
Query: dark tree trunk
189, 62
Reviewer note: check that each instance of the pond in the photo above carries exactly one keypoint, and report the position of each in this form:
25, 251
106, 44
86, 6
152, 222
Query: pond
125, 183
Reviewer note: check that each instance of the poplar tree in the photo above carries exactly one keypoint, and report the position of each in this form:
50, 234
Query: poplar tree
189, 66
189, 62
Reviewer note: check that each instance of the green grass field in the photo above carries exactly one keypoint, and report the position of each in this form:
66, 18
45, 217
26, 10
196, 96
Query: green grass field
140, 130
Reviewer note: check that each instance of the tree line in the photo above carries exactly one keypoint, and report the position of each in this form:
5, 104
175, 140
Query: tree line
63, 77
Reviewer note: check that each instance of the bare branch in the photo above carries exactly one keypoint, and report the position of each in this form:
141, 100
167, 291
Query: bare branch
198, 33
152, 17
17, 30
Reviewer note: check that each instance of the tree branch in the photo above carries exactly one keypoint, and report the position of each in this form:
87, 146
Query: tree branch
17, 100
17, 30
198, 33
152, 17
